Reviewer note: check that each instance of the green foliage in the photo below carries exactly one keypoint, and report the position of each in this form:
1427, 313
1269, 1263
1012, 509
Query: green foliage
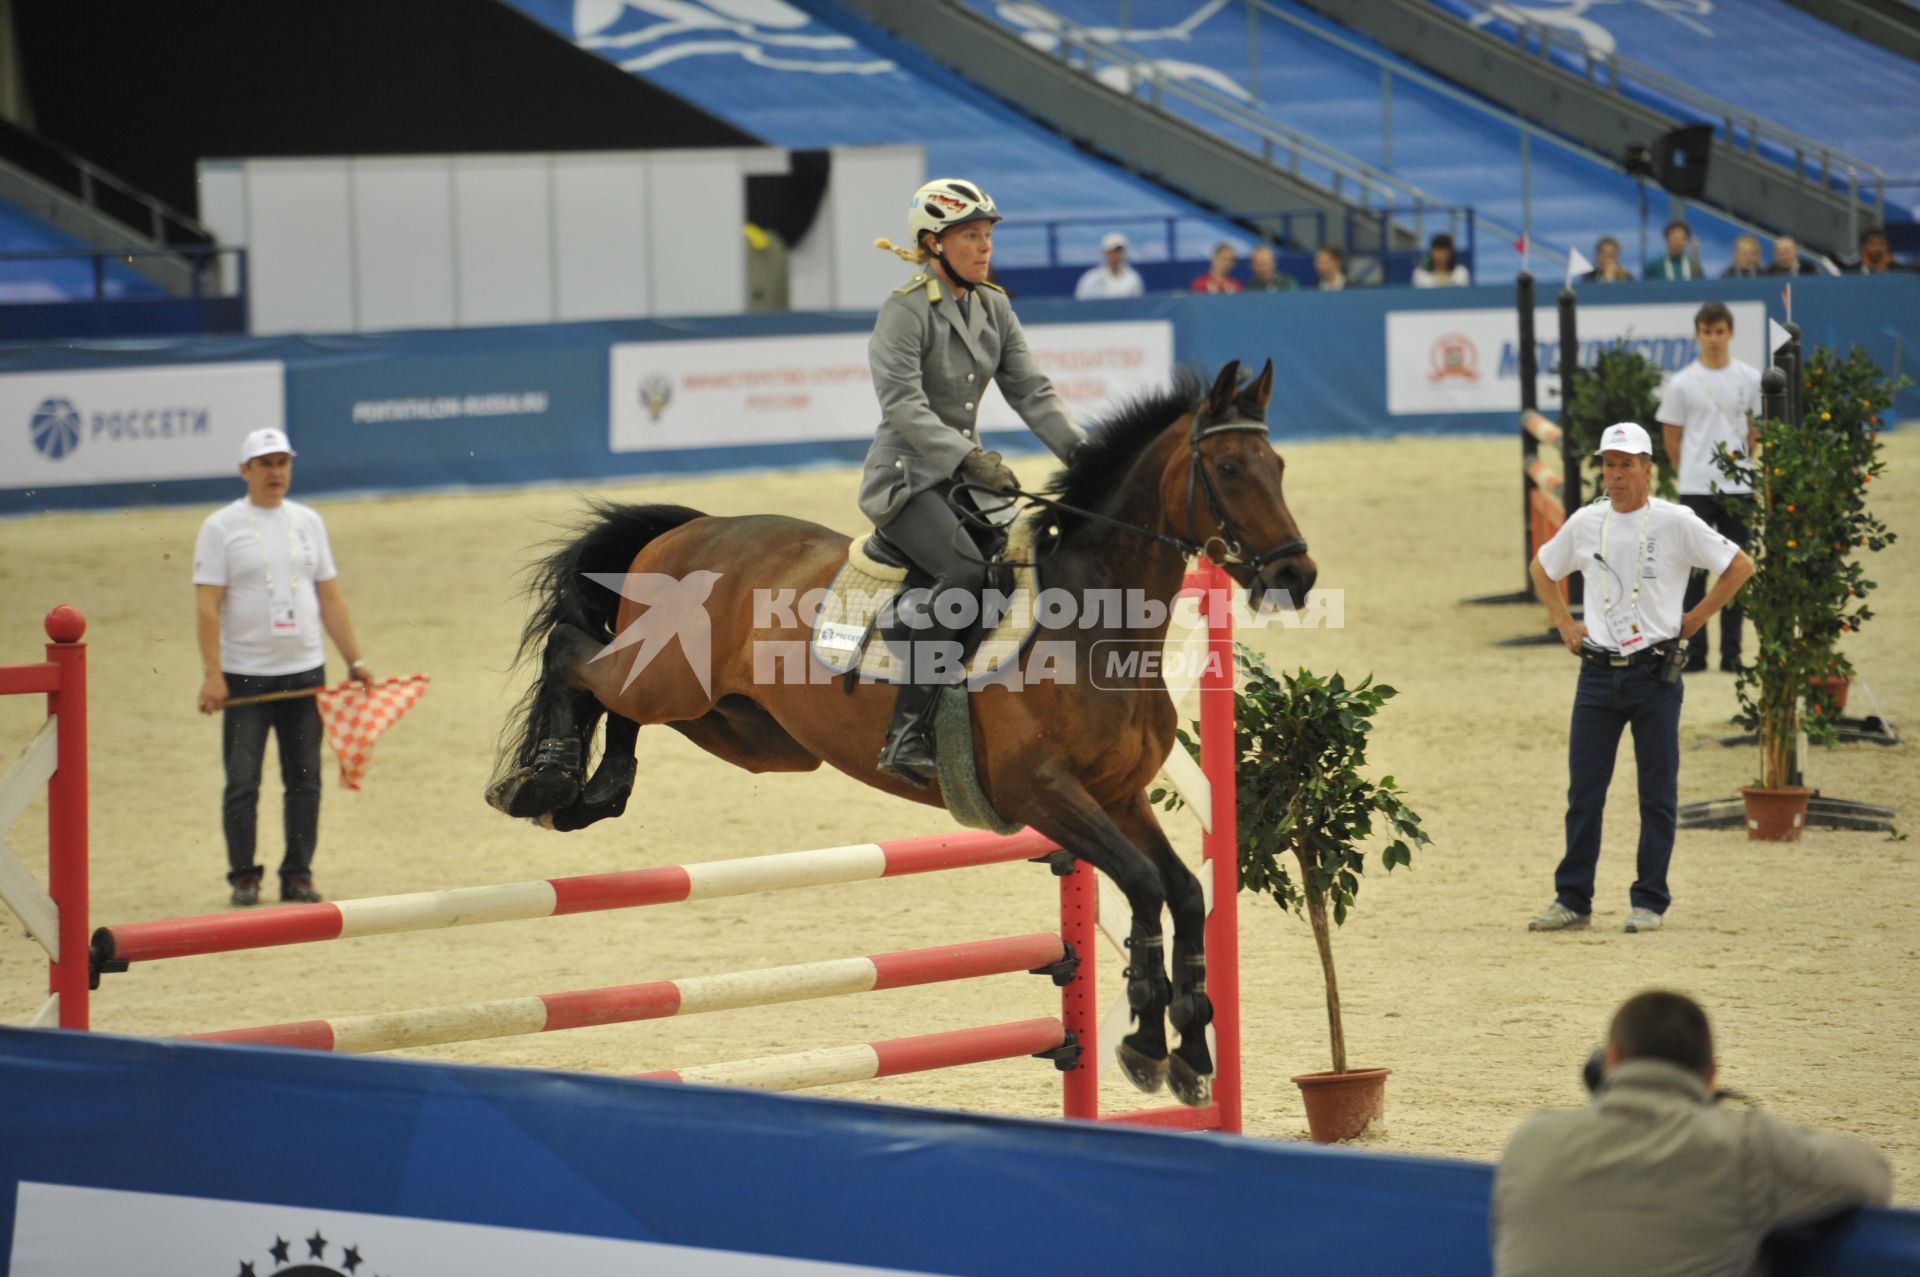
1810, 526
1621, 386
1300, 747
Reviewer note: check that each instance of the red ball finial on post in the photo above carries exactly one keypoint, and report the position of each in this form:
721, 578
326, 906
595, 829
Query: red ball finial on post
65, 624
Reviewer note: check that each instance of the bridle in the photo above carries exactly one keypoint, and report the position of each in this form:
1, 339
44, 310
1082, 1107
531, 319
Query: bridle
1223, 549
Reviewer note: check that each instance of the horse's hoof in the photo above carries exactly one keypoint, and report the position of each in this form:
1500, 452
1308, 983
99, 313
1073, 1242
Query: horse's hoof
1145, 1072
534, 791
1195, 1090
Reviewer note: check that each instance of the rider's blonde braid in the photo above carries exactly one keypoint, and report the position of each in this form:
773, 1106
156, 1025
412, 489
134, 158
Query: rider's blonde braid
911, 256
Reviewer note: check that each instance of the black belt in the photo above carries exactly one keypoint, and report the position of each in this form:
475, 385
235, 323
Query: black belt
1614, 660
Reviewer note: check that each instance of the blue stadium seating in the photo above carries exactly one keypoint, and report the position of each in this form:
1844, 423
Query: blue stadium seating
1455, 153
56, 279
796, 79
1775, 60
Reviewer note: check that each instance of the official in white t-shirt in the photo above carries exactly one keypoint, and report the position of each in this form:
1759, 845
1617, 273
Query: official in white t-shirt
1634, 551
1711, 402
1113, 277
265, 588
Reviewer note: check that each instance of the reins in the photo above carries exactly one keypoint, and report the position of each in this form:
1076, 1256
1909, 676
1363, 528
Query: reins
1231, 551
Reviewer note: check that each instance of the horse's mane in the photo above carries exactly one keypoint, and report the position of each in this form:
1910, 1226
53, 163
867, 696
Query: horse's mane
1116, 439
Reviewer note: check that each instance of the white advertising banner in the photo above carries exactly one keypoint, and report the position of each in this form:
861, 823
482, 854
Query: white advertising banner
756, 390
1468, 360
133, 425
61, 1231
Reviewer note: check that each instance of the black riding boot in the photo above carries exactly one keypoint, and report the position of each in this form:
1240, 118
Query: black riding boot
908, 753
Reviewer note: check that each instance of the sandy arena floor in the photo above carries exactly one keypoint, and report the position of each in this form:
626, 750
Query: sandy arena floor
1806, 955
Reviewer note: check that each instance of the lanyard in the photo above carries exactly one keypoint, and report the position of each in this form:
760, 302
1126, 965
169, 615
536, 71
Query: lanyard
293, 568
1639, 553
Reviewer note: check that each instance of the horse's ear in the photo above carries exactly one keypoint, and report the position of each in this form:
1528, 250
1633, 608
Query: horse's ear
1253, 400
1220, 398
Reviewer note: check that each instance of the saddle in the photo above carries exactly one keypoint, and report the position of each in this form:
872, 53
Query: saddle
877, 572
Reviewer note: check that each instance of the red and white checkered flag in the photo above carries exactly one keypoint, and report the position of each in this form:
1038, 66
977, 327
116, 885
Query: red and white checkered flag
355, 715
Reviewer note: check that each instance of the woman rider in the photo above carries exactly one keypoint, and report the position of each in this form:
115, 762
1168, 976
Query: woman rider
939, 339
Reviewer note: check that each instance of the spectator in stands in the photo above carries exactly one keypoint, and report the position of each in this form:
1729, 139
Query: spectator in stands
1441, 269
1661, 1174
1330, 268
1265, 277
264, 589
1606, 263
1113, 277
1786, 258
1875, 259
1746, 260
1682, 258
1219, 277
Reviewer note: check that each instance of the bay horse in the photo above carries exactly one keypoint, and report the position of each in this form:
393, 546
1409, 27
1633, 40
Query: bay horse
1177, 472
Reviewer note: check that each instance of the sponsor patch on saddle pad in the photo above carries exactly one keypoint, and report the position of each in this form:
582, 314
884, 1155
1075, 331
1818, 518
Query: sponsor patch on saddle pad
843, 627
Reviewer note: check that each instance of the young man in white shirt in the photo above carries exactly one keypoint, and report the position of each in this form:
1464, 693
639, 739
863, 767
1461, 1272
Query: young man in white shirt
1113, 277
265, 586
1635, 551
1712, 401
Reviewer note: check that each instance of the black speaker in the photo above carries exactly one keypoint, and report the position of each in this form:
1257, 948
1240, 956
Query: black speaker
1680, 160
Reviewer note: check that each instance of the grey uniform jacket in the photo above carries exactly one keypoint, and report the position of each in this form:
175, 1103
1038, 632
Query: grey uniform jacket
1652, 1179
930, 367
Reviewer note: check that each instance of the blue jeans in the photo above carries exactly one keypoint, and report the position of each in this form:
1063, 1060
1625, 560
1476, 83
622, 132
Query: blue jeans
243, 747
1607, 701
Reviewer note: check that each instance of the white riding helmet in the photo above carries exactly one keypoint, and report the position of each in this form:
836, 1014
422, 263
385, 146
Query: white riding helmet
947, 202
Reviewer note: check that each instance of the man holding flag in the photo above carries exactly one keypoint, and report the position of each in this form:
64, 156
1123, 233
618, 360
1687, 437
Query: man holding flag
265, 587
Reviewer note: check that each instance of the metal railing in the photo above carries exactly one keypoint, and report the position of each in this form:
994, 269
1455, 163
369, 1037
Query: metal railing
1612, 73
208, 277
1365, 236
1300, 154
98, 189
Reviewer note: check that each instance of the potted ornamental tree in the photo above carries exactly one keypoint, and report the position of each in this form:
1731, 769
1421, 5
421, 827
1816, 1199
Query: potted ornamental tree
1808, 528
1846, 398
1307, 813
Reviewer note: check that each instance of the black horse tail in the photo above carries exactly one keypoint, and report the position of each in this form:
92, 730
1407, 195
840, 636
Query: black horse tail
561, 594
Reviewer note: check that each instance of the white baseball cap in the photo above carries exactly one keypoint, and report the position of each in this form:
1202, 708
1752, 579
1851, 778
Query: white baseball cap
263, 443
1624, 436
1112, 240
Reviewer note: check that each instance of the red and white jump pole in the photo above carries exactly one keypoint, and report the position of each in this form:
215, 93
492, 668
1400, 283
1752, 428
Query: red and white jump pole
57, 758
869, 1060
658, 999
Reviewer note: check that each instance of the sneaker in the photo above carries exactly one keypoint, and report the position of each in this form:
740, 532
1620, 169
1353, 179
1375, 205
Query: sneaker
1642, 920
298, 889
1560, 918
246, 891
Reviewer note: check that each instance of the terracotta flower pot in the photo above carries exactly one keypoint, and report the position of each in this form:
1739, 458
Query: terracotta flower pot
1342, 1105
1776, 815
1835, 690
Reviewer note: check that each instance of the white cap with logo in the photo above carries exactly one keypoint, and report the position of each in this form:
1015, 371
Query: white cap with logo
1112, 240
263, 443
1625, 436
